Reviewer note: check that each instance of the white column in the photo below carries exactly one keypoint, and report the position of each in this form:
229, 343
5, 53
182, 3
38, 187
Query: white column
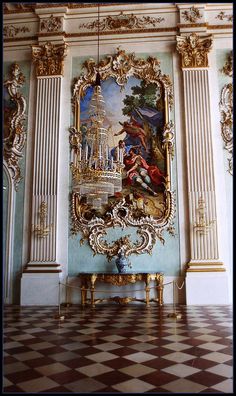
42, 274
206, 280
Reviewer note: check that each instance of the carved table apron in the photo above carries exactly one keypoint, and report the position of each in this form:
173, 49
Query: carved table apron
88, 281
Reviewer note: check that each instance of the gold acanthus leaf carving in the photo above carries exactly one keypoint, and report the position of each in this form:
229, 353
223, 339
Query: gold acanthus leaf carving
192, 15
49, 59
122, 21
194, 50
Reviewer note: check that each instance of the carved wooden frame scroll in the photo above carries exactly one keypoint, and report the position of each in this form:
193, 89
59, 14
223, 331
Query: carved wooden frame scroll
121, 214
226, 108
15, 138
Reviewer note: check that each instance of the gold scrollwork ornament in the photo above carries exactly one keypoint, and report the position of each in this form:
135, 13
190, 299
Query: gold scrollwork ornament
122, 21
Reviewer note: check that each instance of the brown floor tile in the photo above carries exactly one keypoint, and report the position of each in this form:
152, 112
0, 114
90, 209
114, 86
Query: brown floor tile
158, 378
206, 378
67, 376
158, 363
15, 378
112, 378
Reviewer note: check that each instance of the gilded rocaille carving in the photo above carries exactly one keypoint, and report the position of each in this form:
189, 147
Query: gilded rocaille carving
42, 230
222, 15
48, 59
194, 50
122, 213
226, 108
52, 24
12, 31
192, 15
14, 134
122, 21
228, 66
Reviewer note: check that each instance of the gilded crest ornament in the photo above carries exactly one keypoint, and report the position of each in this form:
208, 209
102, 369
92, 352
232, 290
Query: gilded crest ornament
194, 50
125, 211
14, 134
52, 24
49, 59
226, 108
192, 15
123, 21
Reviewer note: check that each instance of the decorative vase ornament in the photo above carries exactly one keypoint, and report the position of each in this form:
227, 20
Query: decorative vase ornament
122, 263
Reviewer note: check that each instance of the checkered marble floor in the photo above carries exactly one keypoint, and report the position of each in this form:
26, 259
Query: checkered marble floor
118, 349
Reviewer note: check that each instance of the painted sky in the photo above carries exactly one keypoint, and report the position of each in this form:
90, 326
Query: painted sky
113, 97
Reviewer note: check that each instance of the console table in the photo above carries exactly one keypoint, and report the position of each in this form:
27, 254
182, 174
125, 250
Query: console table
89, 280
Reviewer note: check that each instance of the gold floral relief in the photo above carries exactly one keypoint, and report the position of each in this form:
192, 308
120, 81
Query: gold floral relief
147, 205
192, 15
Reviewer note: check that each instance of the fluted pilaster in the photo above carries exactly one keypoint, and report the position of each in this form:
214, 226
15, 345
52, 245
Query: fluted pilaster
44, 239
206, 282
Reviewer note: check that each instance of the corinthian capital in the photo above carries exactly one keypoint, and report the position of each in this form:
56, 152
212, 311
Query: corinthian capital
194, 50
49, 59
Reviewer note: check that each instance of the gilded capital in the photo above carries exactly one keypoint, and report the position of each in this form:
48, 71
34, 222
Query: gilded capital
194, 50
49, 59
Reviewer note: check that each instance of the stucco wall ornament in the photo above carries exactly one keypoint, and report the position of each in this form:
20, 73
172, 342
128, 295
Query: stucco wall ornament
223, 16
226, 108
192, 15
12, 31
194, 50
42, 229
14, 134
52, 24
123, 212
49, 59
122, 21
228, 66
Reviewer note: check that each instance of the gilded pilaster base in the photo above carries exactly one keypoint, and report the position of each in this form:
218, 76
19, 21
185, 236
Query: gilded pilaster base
205, 266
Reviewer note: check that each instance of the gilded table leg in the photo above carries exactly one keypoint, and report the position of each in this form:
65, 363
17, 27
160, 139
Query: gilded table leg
83, 295
147, 289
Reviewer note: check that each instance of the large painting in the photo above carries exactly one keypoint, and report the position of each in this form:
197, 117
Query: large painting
135, 123
138, 100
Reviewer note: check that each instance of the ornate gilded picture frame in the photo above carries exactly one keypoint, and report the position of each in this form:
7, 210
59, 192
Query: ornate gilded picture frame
138, 100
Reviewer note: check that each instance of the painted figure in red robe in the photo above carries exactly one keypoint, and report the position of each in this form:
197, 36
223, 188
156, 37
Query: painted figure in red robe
142, 174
